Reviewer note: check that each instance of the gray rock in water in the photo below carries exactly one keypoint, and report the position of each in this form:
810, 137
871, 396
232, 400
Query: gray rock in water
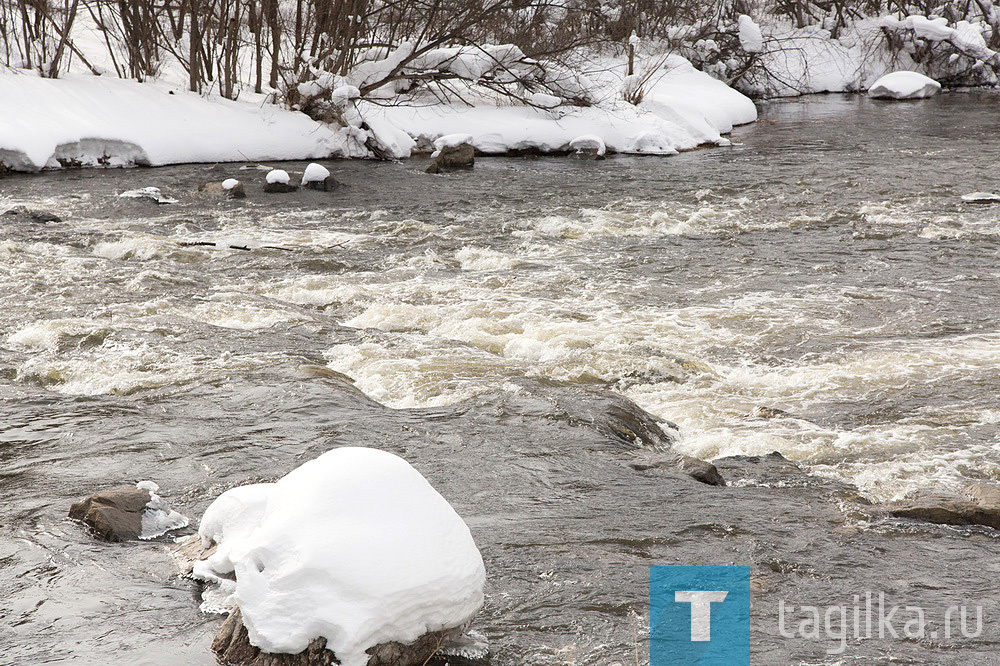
324, 185
462, 156
700, 470
978, 504
113, 515
28, 215
236, 191
232, 646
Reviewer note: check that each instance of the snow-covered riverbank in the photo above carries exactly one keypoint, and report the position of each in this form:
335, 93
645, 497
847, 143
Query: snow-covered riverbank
83, 120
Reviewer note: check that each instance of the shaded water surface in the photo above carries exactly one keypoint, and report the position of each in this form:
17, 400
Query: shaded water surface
824, 266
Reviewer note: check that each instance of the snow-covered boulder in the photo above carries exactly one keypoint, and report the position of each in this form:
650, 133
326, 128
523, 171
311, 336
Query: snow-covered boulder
453, 151
277, 182
904, 85
317, 177
233, 188
589, 146
354, 547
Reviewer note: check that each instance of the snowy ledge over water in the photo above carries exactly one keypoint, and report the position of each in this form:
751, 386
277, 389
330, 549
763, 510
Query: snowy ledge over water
83, 120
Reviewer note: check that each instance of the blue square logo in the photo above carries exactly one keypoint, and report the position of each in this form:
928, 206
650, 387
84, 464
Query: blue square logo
699, 615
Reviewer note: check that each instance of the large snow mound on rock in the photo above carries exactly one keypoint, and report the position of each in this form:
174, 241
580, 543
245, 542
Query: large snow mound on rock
355, 546
904, 85
102, 121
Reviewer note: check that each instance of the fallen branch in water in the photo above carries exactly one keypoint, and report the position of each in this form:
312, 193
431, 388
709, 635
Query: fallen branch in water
245, 248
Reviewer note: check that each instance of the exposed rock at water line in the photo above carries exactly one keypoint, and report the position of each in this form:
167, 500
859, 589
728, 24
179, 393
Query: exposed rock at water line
317, 177
113, 515
233, 647
229, 189
25, 214
277, 181
977, 504
124, 514
454, 151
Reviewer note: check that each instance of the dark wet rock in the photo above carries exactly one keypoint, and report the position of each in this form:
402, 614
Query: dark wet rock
433, 168
279, 188
325, 185
232, 646
461, 156
699, 470
612, 415
771, 469
978, 504
25, 214
113, 515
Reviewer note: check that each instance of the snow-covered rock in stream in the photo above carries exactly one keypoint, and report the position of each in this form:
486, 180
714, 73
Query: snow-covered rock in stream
354, 547
128, 513
277, 181
904, 85
317, 177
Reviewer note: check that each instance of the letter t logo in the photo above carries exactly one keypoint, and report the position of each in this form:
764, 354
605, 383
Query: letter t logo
701, 611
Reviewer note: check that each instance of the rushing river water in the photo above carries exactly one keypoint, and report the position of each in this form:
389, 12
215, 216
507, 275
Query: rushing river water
823, 266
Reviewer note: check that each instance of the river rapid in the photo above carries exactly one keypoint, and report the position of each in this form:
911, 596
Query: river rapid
817, 289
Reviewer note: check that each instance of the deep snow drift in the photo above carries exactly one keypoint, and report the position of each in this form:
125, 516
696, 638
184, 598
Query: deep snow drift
103, 121
682, 109
355, 546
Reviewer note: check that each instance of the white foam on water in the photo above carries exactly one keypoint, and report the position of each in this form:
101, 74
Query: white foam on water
910, 452
411, 372
46, 335
318, 290
547, 323
472, 258
123, 367
234, 310
140, 248
641, 219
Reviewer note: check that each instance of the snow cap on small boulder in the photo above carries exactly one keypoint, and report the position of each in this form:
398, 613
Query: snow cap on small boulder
904, 85
453, 151
277, 182
317, 177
